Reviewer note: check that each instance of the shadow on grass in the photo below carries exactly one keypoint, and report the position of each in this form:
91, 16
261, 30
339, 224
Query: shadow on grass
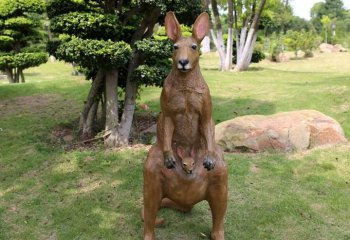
228, 108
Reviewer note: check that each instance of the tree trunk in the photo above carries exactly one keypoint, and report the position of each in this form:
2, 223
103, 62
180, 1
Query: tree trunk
218, 38
103, 108
145, 30
111, 108
91, 119
228, 60
93, 93
242, 40
129, 104
22, 75
16, 75
9, 74
236, 32
219, 49
244, 60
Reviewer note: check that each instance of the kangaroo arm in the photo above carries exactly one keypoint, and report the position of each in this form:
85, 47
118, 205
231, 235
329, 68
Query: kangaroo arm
207, 124
168, 129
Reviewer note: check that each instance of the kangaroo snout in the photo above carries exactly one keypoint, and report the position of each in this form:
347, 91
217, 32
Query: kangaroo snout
183, 64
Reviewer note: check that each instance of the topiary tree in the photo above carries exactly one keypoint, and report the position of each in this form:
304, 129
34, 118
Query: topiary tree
302, 40
20, 38
112, 42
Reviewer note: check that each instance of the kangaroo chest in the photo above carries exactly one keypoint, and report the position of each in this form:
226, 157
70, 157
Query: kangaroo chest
185, 102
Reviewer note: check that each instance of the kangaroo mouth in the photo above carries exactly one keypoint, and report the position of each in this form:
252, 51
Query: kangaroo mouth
183, 69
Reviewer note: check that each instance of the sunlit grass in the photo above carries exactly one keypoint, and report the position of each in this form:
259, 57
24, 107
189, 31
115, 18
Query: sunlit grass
47, 192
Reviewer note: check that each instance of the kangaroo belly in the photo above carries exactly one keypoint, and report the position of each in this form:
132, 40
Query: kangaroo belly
186, 128
183, 191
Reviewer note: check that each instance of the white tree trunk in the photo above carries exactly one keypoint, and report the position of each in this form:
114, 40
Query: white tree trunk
229, 45
241, 43
244, 60
228, 59
246, 52
221, 52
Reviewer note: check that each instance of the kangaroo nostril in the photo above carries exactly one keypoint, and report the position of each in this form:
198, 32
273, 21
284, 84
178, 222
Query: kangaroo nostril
184, 62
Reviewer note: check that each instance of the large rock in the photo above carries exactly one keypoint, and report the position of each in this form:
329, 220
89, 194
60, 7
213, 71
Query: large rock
297, 130
328, 48
339, 48
282, 57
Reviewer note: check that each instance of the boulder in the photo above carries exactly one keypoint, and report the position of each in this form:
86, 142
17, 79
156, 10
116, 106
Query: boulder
339, 48
297, 130
328, 48
282, 57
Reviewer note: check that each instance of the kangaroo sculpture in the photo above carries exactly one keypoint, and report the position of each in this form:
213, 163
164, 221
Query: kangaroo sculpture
185, 123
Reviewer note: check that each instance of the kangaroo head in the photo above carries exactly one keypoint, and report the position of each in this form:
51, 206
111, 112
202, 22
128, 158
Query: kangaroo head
188, 163
186, 49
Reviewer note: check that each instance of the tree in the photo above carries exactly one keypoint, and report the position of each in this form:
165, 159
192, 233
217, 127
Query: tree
326, 23
248, 35
243, 16
20, 37
112, 42
293, 41
334, 9
301, 40
217, 36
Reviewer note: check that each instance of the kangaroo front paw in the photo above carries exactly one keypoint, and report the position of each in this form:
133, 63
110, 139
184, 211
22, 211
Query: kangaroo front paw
209, 162
169, 160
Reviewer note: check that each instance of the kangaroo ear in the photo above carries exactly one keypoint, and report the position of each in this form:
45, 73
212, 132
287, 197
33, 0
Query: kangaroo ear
193, 152
172, 26
181, 152
200, 27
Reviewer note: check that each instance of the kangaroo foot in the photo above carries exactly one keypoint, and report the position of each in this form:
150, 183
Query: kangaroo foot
209, 162
169, 160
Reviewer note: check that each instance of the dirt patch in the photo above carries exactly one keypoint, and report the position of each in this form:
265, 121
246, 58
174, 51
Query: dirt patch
254, 168
28, 104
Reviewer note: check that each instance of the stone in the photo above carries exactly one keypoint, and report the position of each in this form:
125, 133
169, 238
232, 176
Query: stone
287, 131
282, 57
339, 48
328, 48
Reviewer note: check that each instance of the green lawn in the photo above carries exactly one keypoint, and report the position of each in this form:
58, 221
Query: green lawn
49, 192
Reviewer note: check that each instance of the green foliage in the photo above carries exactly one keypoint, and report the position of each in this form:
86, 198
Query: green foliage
293, 40
302, 40
59, 7
19, 23
309, 41
334, 9
157, 63
22, 60
87, 25
11, 8
160, 33
20, 35
5, 42
257, 56
91, 53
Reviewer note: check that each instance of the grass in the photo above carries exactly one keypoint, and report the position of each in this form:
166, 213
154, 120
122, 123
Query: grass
47, 192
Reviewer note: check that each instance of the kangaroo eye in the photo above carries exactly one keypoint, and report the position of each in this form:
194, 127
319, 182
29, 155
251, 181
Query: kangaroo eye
185, 164
194, 46
175, 47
